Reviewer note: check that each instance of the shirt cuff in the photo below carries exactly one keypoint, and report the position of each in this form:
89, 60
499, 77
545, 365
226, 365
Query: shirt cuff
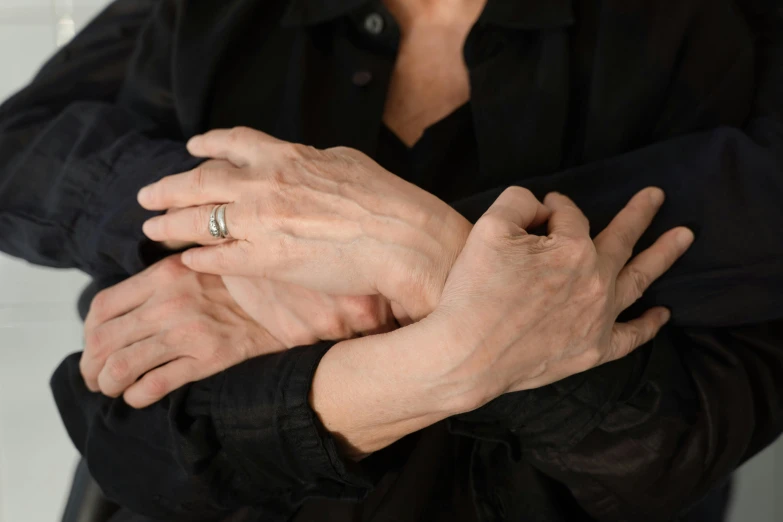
559, 415
111, 223
269, 433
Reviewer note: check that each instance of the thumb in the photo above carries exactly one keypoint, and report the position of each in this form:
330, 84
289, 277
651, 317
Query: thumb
226, 259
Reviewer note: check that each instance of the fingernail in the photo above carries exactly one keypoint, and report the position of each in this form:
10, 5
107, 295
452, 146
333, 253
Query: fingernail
657, 196
187, 257
684, 238
665, 315
194, 141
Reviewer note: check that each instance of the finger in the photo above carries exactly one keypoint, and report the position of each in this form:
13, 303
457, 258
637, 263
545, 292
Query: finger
227, 259
239, 145
123, 368
639, 274
615, 243
159, 382
120, 298
190, 225
627, 337
567, 219
518, 207
109, 338
209, 183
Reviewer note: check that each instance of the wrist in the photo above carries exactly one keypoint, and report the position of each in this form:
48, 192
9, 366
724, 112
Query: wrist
372, 391
417, 282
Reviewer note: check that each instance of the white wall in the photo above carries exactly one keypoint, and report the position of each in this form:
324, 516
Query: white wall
39, 326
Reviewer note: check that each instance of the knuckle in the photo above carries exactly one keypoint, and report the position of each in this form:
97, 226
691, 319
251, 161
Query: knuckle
170, 269
331, 326
492, 226
627, 240
156, 385
221, 259
342, 150
198, 219
581, 250
597, 290
96, 343
99, 304
639, 281
118, 368
628, 341
178, 304
365, 312
517, 194
592, 358
347, 155
298, 150
198, 179
239, 134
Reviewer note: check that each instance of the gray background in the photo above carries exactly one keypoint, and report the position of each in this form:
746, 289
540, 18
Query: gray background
39, 326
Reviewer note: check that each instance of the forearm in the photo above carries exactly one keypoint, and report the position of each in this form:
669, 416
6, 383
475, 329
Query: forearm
372, 391
72, 157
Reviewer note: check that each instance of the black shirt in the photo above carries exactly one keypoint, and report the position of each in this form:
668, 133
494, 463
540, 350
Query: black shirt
594, 99
443, 161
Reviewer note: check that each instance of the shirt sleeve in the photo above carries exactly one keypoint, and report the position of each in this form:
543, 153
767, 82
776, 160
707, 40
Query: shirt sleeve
645, 437
73, 156
93, 127
243, 439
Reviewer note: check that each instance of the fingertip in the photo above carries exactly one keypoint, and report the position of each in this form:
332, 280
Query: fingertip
151, 229
194, 144
656, 195
187, 258
684, 237
145, 197
135, 402
664, 315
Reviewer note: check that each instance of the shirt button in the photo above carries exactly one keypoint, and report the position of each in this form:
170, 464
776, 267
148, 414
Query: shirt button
374, 24
361, 78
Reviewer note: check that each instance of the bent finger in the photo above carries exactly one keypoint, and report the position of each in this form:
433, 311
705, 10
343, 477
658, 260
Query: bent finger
518, 207
124, 367
567, 219
159, 382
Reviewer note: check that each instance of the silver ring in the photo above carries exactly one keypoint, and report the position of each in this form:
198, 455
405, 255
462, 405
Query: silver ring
214, 228
221, 221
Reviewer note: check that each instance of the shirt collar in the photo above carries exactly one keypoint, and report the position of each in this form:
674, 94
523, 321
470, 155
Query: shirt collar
520, 14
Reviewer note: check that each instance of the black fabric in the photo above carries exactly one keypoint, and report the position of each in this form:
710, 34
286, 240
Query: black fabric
594, 99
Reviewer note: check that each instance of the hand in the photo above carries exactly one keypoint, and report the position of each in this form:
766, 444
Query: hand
296, 316
164, 328
332, 221
522, 311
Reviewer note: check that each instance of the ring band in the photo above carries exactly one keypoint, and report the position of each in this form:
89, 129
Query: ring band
214, 228
221, 222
